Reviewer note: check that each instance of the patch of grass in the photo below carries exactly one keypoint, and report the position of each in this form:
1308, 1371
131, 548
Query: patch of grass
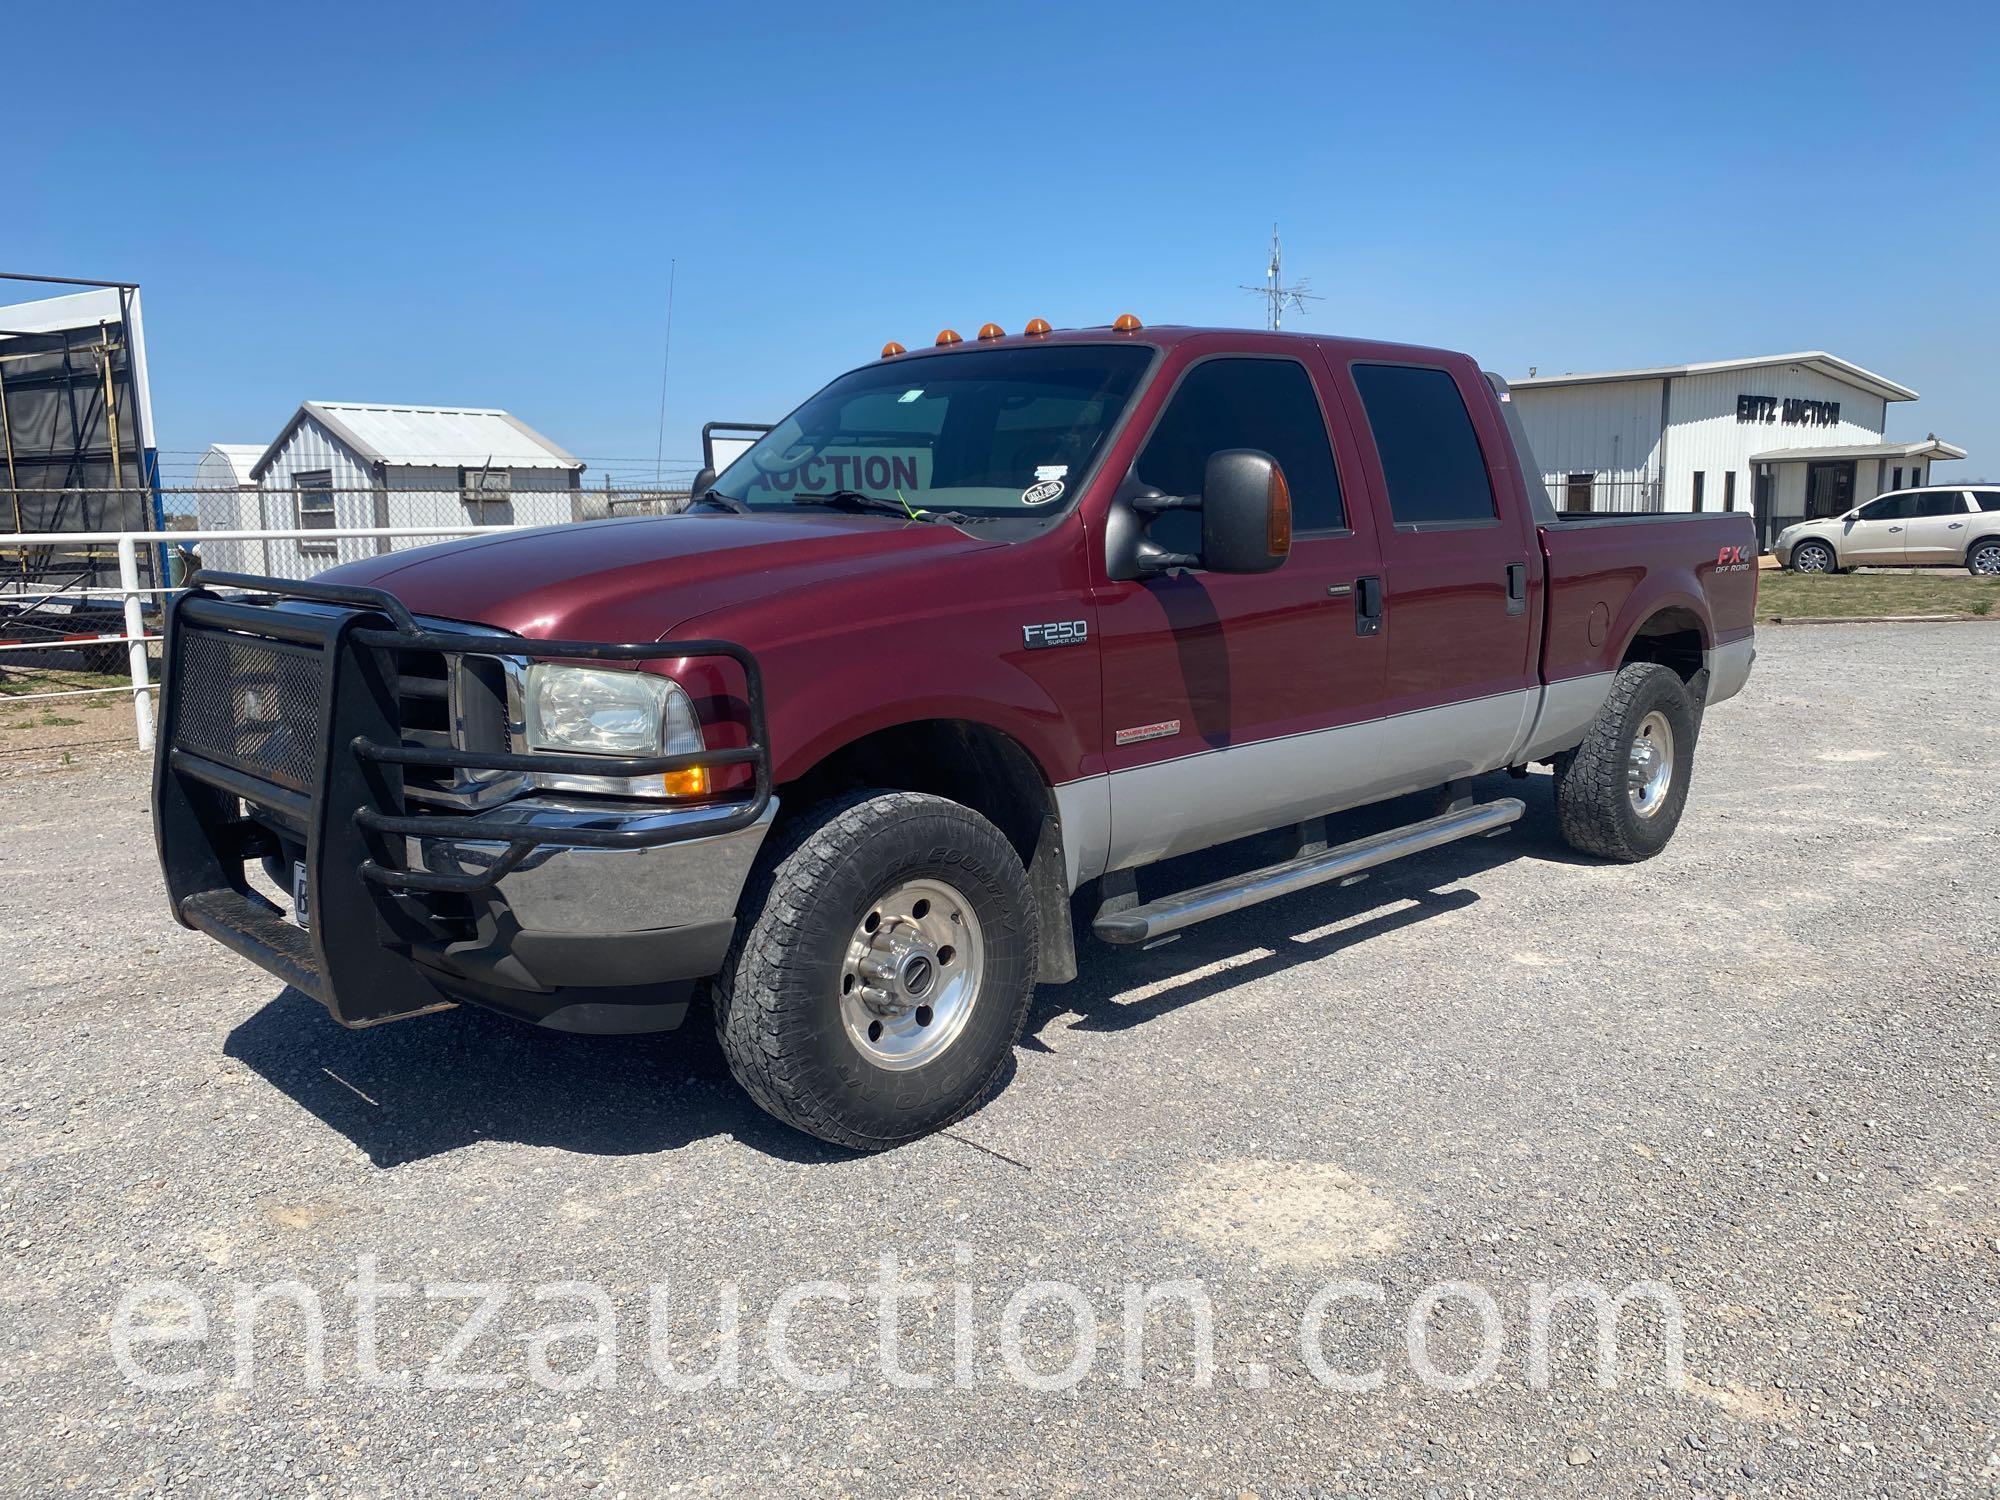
1936, 592
18, 680
57, 721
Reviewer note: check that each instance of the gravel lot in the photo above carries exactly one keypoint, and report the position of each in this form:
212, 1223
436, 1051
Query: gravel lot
1759, 1070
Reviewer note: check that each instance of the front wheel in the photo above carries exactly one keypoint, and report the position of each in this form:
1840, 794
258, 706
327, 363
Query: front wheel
882, 969
1620, 793
1814, 557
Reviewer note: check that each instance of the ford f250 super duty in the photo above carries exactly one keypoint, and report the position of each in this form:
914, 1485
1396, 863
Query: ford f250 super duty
977, 628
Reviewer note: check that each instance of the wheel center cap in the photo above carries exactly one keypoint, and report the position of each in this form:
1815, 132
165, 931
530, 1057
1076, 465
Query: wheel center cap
918, 972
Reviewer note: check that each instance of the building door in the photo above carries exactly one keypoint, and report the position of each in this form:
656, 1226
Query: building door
1829, 489
1760, 502
1577, 491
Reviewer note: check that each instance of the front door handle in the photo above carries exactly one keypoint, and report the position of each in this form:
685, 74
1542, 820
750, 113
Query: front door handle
1517, 588
1368, 606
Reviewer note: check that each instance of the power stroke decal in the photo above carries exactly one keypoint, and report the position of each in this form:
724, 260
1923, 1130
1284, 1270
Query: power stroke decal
1138, 732
1055, 633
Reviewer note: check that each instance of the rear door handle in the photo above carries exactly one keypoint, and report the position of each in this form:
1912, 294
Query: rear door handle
1517, 588
1368, 606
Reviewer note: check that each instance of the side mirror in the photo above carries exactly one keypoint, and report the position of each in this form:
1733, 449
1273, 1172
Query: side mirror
704, 481
1246, 512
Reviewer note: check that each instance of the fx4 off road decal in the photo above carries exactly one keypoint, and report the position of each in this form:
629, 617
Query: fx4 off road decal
1732, 559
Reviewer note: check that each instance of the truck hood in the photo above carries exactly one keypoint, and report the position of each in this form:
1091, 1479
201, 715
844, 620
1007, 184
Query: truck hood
637, 578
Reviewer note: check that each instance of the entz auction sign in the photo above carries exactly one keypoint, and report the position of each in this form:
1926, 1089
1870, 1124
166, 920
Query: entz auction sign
1794, 411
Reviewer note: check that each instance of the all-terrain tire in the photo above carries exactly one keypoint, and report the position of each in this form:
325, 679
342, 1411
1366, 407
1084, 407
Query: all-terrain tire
778, 999
1595, 805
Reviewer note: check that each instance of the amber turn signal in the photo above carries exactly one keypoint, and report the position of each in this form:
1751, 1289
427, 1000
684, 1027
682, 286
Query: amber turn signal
1278, 529
693, 782
1037, 327
1126, 324
989, 331
891, 348
946, 336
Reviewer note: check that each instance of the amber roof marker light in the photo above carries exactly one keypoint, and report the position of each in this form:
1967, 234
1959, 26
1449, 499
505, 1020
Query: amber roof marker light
1037, 328
891, 349
946, 338
991, 331
1126, 324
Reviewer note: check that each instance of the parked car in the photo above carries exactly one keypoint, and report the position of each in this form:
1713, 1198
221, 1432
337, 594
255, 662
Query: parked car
976, 628
1939, 526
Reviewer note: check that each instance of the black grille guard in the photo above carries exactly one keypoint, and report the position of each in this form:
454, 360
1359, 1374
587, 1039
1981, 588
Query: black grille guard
352, 816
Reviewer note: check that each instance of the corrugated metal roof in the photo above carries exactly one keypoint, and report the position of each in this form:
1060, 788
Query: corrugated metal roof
1932, 447
1816, 359
240, 457
430, 436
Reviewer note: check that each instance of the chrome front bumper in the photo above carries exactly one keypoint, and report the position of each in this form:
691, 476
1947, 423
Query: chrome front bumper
566, 888
595, 930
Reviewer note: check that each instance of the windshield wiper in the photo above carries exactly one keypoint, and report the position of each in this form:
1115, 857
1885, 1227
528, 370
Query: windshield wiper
857, 500
721, 501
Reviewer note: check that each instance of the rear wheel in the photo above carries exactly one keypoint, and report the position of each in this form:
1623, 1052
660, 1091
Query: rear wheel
1982, 559
1814, 557
1619, 794
882, 971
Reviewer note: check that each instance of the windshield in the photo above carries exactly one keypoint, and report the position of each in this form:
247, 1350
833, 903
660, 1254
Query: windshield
1002, 432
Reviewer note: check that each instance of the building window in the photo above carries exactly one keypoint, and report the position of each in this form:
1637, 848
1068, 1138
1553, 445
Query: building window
312, 501
1896, 477
1700, 479
1577, 490
488, 492
1729, 490
1430, 454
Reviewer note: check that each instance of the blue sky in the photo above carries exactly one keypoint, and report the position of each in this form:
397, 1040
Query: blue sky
477, 205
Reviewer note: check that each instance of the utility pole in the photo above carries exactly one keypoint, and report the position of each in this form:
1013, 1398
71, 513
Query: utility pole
1277, 296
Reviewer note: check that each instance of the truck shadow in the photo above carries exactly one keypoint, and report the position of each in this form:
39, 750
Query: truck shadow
416, 1089
408, 1091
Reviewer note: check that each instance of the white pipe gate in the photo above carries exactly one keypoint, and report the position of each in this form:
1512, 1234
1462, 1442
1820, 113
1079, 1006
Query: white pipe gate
134, 637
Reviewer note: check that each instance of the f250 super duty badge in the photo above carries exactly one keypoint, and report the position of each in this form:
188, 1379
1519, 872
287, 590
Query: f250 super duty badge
1055, 633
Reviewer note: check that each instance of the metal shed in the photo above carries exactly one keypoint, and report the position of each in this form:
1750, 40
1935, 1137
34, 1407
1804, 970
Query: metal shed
348, 464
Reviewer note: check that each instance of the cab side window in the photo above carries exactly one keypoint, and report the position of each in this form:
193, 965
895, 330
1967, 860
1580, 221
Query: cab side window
1431, 459
1988, 499
1267, 404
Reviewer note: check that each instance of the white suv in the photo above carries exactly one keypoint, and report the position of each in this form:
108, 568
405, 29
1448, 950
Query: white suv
1932, 527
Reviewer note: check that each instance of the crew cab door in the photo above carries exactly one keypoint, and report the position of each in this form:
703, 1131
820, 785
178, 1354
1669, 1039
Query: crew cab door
1219, 688
1936, 531
1875, 532
1461, 566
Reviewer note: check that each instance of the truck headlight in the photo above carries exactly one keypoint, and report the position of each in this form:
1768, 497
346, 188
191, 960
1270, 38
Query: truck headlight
594, 712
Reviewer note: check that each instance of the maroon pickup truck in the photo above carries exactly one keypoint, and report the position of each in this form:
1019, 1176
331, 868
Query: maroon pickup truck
976, 628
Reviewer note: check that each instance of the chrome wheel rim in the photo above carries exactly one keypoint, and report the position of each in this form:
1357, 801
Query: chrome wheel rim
1810, 560
1650, 769
1986, 562
912, 974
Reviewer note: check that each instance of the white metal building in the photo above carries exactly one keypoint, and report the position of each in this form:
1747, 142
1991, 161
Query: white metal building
347, 464
1786, 436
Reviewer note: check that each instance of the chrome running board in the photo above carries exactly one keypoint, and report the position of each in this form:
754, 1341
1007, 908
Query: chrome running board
1155, 919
